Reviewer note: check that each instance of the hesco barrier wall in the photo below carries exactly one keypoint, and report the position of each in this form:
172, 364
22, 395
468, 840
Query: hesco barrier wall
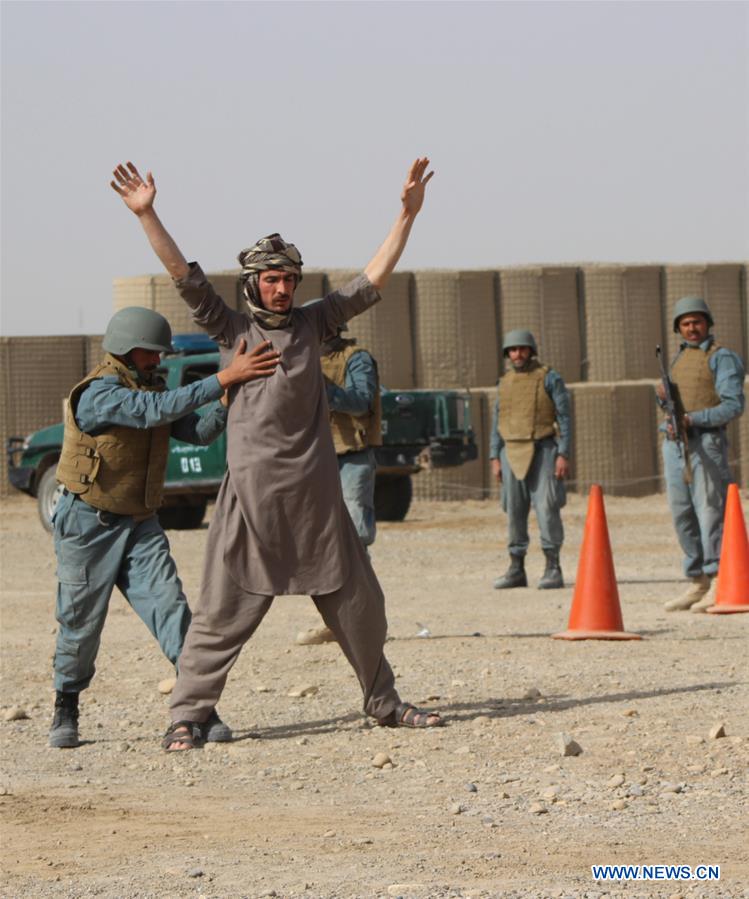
546, 301
159, 293
622, 323
385, 330
455, 329
313, 285
740, 449
36, 374
596, 324
615, 439
721, 287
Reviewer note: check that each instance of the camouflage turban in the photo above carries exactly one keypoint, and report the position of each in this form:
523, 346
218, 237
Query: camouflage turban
271, 252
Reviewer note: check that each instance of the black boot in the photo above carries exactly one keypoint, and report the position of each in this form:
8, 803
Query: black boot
64, 731
552, 576
213, 729
515, 575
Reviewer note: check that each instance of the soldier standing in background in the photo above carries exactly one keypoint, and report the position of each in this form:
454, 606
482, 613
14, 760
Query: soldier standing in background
709, 384
353, 391
532, 406
118, 422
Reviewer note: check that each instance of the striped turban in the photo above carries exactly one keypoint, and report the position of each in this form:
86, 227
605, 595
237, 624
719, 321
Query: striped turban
271, 252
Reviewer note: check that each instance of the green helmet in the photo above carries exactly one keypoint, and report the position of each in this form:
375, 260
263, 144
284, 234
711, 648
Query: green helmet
519, 337
691, 304
135, 326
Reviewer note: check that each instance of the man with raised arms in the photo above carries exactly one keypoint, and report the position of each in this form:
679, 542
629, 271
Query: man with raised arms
280, 525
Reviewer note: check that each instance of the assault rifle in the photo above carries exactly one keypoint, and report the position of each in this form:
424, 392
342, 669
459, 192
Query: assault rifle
677, 430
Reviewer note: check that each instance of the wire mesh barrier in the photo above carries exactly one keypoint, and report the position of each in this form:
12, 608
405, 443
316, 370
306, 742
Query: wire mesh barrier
458, 490
596, 324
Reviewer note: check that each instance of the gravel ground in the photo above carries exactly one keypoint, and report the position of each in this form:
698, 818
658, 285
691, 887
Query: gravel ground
485, 807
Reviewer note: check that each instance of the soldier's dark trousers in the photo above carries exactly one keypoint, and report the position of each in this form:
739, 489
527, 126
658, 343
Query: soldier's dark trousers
226, 616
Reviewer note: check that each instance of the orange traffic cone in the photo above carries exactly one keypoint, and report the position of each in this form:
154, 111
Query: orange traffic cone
595, 612
732, 592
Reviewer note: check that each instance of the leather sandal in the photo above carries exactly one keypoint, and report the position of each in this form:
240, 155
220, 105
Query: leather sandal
407, 715
172, 736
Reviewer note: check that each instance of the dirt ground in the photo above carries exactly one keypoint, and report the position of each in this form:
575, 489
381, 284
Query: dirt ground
484, 807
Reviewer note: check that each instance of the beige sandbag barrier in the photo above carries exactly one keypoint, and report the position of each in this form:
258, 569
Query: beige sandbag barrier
615, 441
623, 321
313, 285
36, 374
720, 285
738, 448
455, 328
596, 324
615, 444
385, 329
94, 352
545, 300
158, 292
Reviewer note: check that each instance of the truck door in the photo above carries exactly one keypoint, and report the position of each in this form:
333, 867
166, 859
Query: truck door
196, 466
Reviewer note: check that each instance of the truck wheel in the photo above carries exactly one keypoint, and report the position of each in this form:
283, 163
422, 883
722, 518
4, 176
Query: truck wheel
392, 498
47, 493
182, 518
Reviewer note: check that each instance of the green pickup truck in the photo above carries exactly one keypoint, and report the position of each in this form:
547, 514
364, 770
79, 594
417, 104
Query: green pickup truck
420, 429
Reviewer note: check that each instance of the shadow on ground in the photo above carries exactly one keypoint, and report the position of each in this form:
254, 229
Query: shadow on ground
467, 711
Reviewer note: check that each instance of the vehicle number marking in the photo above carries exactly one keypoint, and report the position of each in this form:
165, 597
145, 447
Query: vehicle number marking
190, 464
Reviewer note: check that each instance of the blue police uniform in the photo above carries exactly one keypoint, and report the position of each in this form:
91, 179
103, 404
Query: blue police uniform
97, 551
357, 469
540, 487
697, 507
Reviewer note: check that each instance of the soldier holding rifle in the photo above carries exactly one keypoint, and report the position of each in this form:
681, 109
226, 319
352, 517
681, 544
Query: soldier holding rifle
707, 392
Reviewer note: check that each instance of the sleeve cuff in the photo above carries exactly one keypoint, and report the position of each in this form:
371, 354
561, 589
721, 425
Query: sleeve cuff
362, 284
215, 390
194, 278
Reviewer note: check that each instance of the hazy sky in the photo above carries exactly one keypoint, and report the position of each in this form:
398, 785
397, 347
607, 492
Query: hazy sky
559, 132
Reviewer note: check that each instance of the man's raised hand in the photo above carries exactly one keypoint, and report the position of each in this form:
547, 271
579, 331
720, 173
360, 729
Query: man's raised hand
381, 265
260, 362
412, 196
137, 194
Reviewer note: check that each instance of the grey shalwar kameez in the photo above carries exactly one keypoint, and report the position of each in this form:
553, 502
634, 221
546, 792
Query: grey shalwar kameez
280, 525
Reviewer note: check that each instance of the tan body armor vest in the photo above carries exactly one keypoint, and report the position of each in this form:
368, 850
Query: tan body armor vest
693, 379
352, 433
122, 469
526, 414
